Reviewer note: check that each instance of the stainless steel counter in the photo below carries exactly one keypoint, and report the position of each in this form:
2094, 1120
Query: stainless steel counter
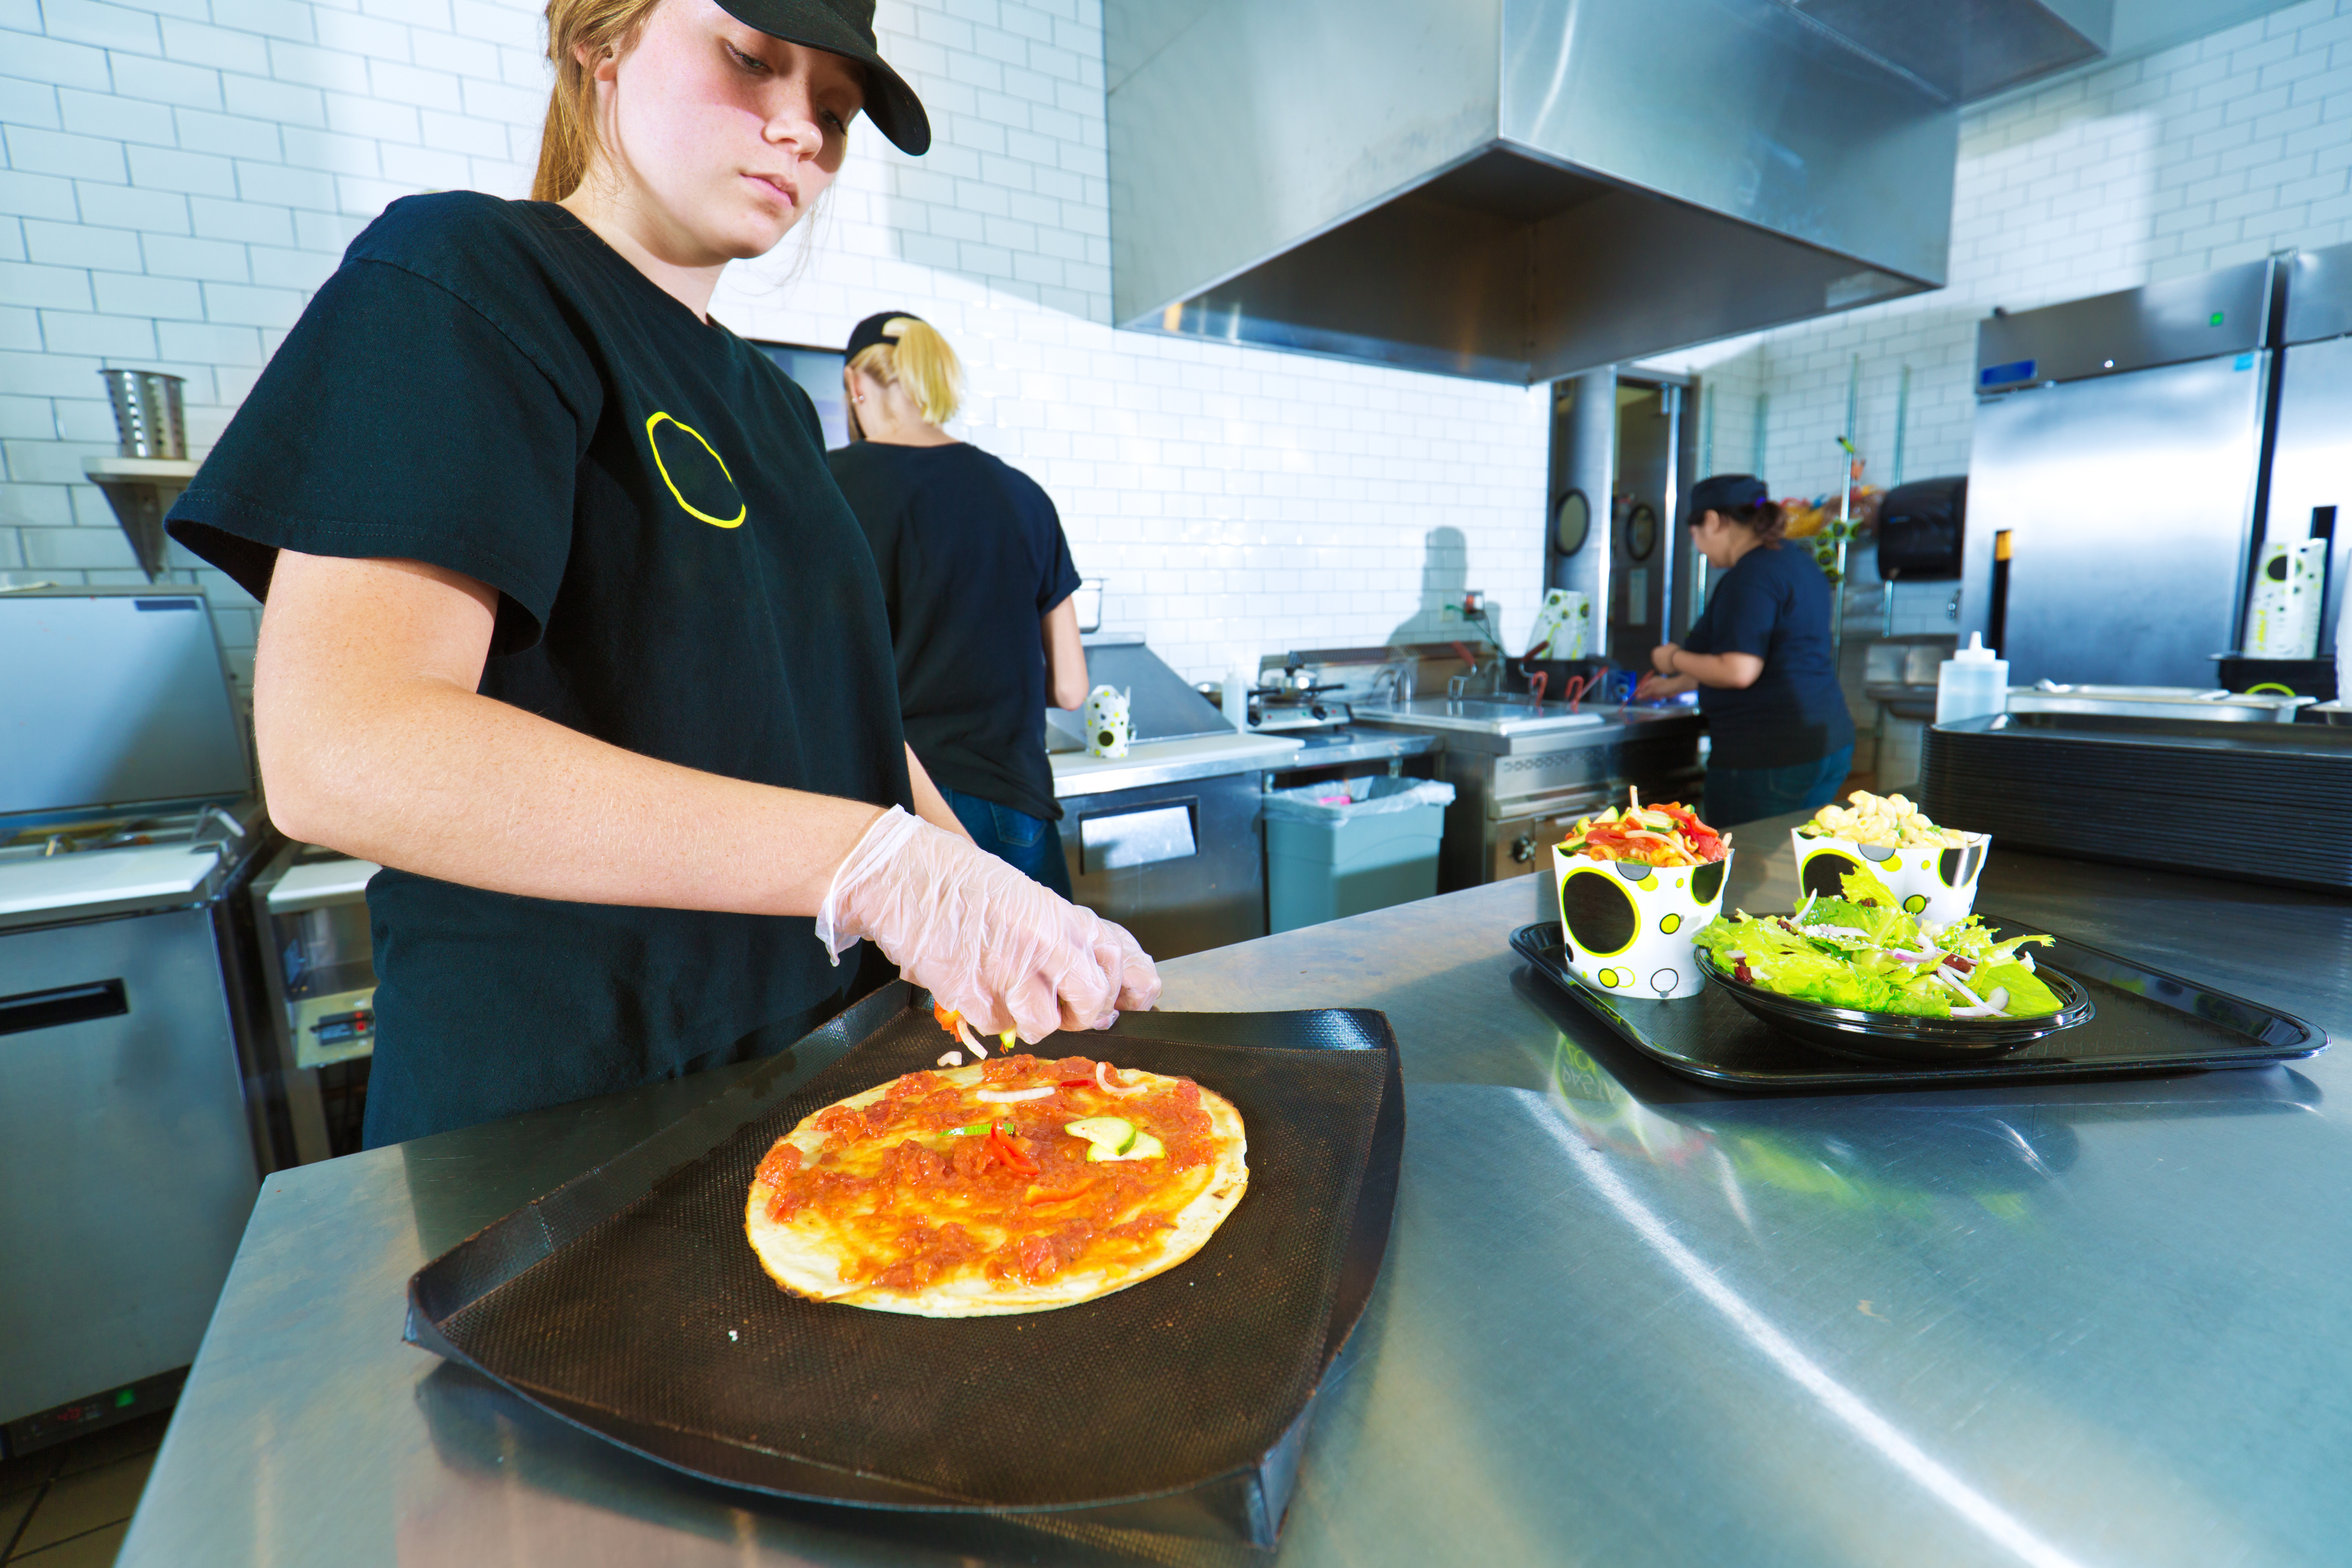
1150, 763
1344, 747
1515, 725
1623, 1319
1523, 775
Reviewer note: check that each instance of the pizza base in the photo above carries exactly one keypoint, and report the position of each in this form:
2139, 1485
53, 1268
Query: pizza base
797, 1260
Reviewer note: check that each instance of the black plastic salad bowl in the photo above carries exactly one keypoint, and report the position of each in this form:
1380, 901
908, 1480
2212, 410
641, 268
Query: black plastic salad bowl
1898, 1036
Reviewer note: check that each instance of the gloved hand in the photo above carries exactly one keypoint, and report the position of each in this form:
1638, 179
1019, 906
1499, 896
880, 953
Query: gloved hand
982, 938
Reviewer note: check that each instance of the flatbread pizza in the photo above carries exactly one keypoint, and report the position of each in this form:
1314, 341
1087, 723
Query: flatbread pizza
1016, 1184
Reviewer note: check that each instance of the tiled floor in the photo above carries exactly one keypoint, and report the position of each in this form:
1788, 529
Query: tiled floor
69, 1507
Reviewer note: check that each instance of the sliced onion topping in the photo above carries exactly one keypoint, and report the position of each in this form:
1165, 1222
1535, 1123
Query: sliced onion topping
1009, 1096
1993, 1007
963, 1033
1103, 1082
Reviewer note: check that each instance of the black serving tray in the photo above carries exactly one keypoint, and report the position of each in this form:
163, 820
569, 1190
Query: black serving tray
628, 1303
2145, 1021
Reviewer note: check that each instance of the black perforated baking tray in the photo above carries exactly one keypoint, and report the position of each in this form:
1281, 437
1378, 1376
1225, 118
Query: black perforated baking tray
2145, 1021
629, 1303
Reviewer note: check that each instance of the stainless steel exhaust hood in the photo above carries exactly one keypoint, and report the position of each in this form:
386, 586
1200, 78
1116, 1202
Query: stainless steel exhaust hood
1519, 190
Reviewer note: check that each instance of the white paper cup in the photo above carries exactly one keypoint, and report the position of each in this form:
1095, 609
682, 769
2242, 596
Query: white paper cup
1629, 926
1936, 885
1106, 722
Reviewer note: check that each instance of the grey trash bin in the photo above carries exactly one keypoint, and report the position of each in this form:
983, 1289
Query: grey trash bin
1327, 857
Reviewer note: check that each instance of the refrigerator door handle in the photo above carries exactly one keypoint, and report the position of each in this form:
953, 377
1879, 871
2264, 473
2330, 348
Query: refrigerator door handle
29, 1010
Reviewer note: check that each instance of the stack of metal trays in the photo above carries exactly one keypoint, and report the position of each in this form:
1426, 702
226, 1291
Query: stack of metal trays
2251, 802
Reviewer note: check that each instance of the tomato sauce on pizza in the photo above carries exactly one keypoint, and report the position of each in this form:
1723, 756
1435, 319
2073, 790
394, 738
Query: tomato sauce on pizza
1014, 1185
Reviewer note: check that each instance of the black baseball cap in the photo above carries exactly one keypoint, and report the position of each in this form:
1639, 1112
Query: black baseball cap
845, 28
868, 333
1726, 493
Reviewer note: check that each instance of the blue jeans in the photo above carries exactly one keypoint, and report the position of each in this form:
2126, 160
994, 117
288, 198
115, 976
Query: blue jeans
1735, 795
1030, 845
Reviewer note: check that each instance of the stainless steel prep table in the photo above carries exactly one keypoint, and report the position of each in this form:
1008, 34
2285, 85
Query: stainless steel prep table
1523, 774
1623, 1320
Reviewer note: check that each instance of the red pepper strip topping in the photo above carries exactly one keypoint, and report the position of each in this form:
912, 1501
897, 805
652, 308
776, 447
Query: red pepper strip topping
945, 1018
1004, 1149
1062, 1197
1078, 1083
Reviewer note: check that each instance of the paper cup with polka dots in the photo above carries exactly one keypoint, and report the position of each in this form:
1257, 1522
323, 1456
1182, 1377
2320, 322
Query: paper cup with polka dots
1629, 926
1937, 885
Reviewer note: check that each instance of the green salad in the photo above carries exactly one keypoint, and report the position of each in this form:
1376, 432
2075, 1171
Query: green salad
1864, 951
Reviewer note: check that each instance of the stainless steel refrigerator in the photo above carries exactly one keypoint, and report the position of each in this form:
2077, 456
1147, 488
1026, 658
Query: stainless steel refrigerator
2310, 463
130, 1131
2114, 479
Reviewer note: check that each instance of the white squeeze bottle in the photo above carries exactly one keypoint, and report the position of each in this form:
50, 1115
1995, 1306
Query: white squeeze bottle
1971, 683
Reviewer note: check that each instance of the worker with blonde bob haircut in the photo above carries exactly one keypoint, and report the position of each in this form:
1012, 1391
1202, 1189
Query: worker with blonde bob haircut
978, 579
566, 625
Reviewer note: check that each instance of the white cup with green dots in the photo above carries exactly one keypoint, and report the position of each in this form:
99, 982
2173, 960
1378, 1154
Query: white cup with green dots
1936, 883
1629, 925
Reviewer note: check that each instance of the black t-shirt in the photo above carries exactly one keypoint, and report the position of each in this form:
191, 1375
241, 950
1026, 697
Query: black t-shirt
488, 386
973, 554
1774, 603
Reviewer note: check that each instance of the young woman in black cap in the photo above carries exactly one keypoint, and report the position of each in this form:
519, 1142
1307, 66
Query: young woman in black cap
977, 575
1760, 659
566, 624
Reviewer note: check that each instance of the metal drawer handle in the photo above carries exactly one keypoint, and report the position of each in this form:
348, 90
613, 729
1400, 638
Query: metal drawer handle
65, 1004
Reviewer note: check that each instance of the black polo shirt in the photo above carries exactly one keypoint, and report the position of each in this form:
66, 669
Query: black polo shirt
1774, 603
972, 556
488, 386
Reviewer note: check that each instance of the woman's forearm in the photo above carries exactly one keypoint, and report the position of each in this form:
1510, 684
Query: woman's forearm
1066, 657
1725, 671
929, 803
461, 787
374, 742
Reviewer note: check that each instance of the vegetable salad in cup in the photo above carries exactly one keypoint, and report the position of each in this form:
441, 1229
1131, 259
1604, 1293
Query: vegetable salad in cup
1666, 835
1634, 885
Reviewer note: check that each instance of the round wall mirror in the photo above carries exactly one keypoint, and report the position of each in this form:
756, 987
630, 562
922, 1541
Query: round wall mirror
1571, 520
1641, 530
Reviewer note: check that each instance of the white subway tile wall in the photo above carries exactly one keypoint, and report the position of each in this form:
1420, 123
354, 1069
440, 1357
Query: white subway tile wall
180, 174
2216, 152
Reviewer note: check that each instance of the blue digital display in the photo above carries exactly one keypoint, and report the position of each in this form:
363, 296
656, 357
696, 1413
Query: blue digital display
2005, 374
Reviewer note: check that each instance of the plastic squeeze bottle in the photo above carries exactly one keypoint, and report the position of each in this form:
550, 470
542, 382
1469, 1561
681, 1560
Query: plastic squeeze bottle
1971, 683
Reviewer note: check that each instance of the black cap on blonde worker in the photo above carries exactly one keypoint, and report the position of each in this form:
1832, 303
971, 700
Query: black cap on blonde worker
845, 28
869, 332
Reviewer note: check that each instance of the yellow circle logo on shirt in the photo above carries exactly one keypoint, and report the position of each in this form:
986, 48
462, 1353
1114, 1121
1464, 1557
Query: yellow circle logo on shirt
687, 469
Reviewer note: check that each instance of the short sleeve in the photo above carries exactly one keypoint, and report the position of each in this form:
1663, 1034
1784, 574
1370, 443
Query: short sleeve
1060, 578
397, 421
1061, 573
1741, 617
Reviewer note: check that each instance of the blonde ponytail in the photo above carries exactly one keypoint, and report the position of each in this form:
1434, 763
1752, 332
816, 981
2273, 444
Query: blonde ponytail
567, 141
922, 361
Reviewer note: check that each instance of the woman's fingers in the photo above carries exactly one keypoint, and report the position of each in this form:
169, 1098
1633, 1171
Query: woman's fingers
986, 940
1137, 977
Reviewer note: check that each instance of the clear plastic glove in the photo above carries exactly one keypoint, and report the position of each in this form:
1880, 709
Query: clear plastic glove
980, 936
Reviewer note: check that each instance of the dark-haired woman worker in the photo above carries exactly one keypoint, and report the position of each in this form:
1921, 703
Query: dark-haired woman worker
1762, 661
